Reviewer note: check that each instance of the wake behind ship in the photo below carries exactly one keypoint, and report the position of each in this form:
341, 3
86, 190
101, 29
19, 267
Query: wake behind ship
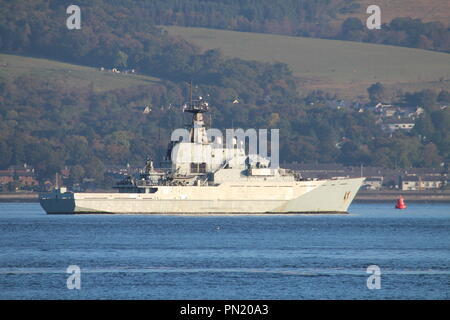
207, 178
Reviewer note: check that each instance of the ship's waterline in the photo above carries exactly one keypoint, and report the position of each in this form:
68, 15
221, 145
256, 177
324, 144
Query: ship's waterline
321, 196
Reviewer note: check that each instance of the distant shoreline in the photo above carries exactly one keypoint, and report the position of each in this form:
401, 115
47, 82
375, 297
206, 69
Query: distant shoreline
19, 197
413, 196
361, 197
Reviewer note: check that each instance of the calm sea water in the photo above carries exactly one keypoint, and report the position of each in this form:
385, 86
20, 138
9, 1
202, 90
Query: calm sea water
227, 257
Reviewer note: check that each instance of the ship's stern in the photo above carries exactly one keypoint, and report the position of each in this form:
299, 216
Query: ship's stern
59, 201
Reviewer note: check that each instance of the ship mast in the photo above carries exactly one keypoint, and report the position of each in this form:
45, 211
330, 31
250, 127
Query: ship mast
197, 132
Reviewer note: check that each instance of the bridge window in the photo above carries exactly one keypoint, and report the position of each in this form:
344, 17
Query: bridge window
198, 167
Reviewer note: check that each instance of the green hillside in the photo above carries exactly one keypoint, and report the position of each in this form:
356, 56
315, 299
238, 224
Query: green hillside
12, 66
330, 64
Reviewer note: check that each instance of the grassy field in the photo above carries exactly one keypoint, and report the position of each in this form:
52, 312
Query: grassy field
341, 66
11, 66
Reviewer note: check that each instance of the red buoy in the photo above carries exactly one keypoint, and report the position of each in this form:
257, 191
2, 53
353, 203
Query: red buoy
400, 203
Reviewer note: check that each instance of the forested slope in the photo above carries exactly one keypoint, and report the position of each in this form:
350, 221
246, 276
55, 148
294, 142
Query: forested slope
49, 123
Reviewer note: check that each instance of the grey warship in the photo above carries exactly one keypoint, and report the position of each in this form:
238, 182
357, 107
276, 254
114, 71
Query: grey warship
205, 177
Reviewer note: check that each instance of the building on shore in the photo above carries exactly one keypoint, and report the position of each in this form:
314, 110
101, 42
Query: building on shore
404, 124
23, 175
6, 177
417, 183
373, 183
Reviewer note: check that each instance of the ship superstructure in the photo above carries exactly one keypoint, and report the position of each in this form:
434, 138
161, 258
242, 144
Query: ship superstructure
207, 177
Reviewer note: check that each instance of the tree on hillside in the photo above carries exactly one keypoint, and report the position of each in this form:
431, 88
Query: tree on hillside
121, 60
444, 97
352, 28
424, 126
431, 157
426, 98
377, 92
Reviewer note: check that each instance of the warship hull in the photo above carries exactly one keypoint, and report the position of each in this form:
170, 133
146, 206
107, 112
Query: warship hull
317, 196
